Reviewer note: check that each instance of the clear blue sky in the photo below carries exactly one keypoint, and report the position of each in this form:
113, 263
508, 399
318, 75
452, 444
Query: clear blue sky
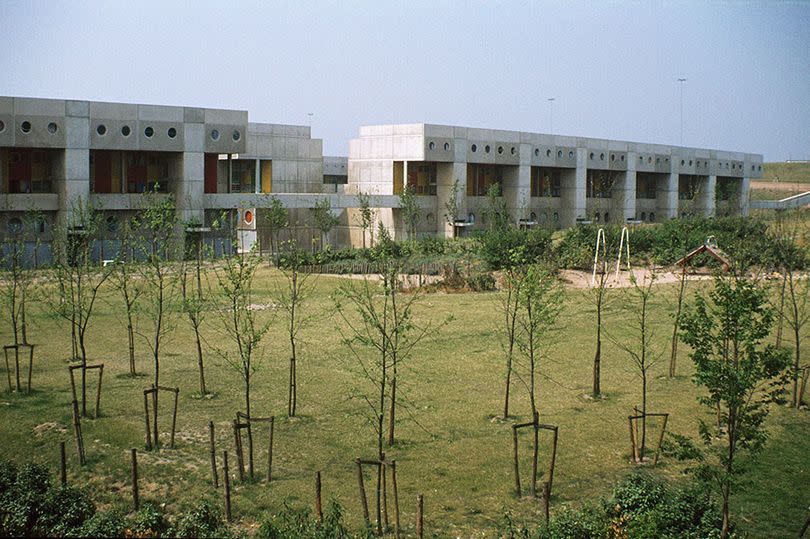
612, 66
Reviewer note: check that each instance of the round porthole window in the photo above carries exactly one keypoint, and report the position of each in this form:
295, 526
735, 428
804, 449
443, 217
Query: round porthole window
487, 148
644, 216
2, 126
548, 153
559, 153
652, 217
14, 225
536, 150
432, 145
556, 216
101, 129
149, 131
570, 154
533, 216
601, 157
607, 217
596, 216
471, 218
500, 149
591, 156
759, 167
666, 160
112, 224
53, 128
512, 150
613, 157
622, 158
25, 127
446, 146
657, 159
126, 131
172, 132
236, 135
474, 148
682, 162
690, 162
214, 134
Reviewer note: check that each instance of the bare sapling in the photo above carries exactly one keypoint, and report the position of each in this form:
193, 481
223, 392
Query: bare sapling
123, 279
193, 293
80, 278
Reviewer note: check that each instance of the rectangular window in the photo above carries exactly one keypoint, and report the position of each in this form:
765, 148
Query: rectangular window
645, 186
422, 177
546, 182
481, 177
599, 184
689, 186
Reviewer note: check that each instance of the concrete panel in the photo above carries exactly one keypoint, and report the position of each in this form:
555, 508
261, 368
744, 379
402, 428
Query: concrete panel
194, 137
225, 142
113, 137
77, 108
44, 131
193, 115
77, 132
119, 111
28, 106
160, 113
667, 197
6, 130
6, 105
222, 116
160, 139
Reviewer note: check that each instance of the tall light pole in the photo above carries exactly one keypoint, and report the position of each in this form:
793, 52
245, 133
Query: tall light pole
551, 123
310, 115
681, 80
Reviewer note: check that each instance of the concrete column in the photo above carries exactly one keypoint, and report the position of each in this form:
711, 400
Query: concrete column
708, 197
667, 198
257, 178
517, 185
446, 175
629, 201
744, 201
73, 171
189, 190
572, 191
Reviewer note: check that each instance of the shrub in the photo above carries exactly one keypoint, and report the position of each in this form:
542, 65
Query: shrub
498, 246
299, 524
204, 520
149, 521
104, 524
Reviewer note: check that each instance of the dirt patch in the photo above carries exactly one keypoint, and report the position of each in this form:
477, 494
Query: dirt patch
583, 279
44, 428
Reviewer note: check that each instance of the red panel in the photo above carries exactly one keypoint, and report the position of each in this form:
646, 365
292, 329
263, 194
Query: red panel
19, 171
102, 161
210, 173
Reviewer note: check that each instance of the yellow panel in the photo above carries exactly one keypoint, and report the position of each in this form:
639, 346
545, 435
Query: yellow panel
267, 176
399, 172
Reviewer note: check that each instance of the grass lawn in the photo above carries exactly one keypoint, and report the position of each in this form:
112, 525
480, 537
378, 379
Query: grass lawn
452, 447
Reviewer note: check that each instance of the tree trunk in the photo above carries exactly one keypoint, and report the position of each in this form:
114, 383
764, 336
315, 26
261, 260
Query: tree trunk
508, 383
597, 359
781, 321
796, 398
392, 409
23, 325
726, 515
643, 413
131, 337
200, 365
674, 354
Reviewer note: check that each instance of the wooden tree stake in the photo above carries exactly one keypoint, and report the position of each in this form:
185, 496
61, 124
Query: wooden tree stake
146, 415
77, 432
136, 503
174, 415
546, 499
62, 465
396, 498
420, 505
270, 451
518, 492
237, 438
214, 474
227, 481
362, 488
318, 507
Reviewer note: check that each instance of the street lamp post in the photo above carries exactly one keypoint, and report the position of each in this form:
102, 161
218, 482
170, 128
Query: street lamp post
551, 123
681, 80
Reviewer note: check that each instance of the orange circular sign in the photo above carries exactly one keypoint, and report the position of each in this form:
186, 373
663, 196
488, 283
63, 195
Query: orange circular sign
248, 217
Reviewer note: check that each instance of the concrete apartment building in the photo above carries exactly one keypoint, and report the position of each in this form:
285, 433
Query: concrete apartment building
546, 180
54, 153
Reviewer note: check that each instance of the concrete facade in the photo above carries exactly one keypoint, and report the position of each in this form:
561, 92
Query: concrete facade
547, 180
55, 153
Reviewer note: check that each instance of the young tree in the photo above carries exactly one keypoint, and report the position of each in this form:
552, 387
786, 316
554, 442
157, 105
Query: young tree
513, 278
292, 297
410, 211
673, 356
365, 216
496, 212
740, 375
194, 300
123, 278
599, 297
79, 277
17, 279
277, 219
451, 206
641, 352
157, 225
324, 219
239, 317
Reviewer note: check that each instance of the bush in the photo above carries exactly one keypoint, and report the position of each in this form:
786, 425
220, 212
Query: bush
499, 247
149, 521
104, 524
204, 520
299, 524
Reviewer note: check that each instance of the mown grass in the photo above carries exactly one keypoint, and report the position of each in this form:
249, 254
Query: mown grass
452, 447
786, 172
